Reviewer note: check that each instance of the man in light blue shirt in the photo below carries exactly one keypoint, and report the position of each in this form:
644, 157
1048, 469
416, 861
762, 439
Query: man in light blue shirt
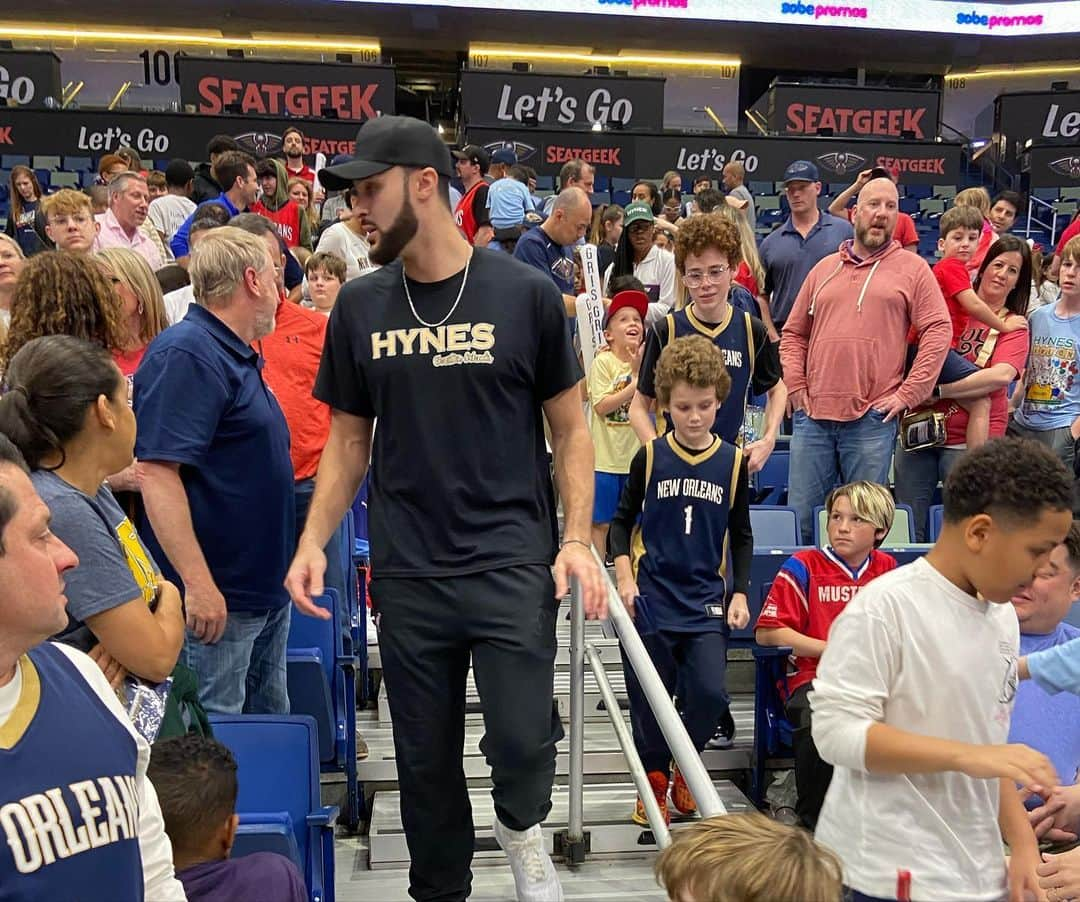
508, 196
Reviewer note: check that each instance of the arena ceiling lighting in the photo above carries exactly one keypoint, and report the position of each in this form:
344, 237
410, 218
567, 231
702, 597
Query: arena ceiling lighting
524, 53
79, 35
937, 16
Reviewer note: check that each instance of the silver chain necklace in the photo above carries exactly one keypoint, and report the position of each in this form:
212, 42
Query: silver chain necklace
450, 312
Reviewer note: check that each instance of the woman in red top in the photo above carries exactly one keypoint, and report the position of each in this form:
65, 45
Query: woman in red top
1004, 283
750, 274
141, 302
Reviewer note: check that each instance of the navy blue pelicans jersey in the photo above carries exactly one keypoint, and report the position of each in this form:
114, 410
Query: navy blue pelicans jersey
69, 805
735, 340
678, 548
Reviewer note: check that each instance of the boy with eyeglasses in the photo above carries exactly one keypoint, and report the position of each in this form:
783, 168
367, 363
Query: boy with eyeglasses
69, 221
707, 253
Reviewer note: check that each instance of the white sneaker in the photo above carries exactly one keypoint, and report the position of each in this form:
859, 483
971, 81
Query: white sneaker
534, 874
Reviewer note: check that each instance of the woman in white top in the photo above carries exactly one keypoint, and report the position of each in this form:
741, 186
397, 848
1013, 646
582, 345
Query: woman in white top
637, 255
348, 241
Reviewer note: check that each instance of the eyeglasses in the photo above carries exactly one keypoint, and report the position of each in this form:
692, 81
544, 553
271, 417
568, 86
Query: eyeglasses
80, 219
714, 275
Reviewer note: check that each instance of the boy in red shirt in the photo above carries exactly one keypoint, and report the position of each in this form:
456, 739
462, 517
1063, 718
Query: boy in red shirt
808, 594
961, 230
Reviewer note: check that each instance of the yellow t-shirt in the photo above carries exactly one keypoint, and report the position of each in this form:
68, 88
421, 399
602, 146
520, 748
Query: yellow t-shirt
614, 440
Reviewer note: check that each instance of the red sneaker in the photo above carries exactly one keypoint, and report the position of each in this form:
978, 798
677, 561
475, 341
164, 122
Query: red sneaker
680, 795
659, 783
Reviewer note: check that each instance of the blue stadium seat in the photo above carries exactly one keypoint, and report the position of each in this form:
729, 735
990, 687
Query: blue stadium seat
766, 563
772, 731
602, 183
545, 183
78, 164
11, 160
322, 684
901, 534
905, 554
88, 178
937, 517
918, 192
620, 184
44, 177
774, 525
1046, 194
909, 205
770, 483
622, 198
278, 774
267, 831
760, 187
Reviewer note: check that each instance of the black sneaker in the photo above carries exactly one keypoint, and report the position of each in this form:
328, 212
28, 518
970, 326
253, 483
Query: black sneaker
724, 737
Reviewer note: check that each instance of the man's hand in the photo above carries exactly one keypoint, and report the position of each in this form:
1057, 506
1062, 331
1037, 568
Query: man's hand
304, 581
891, 406
628, 591
576, 559
1030, 769
863, 178
113, 669
757, 453
1047, 821
206, 613
738, 614
796, 400
1059, 875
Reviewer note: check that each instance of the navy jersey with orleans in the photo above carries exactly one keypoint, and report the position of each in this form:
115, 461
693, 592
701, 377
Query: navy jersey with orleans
678, 545
735, 340
69, 807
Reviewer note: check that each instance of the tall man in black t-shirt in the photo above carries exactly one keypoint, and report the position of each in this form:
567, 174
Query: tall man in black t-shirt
455, 351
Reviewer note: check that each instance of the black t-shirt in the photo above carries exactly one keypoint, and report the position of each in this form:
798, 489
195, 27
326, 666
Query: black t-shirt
459, 479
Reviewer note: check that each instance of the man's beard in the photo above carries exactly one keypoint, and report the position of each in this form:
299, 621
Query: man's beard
870, 243
392, 242
294, 154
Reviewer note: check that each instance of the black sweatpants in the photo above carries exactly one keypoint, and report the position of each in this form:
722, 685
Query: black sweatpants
812, 775
427, 630
696, 663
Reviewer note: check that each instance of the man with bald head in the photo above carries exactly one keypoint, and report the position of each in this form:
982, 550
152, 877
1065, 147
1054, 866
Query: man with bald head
843, 352
548, 247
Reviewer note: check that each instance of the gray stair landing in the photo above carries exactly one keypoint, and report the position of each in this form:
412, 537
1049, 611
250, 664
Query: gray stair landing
603, 757
607, 819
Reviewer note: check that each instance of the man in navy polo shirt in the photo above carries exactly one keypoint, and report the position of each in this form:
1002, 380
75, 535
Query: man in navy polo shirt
217, 481
791, 251
548, 246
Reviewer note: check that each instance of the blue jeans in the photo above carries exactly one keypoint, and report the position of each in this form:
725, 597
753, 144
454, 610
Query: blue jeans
917, 475
827, 453
244, 671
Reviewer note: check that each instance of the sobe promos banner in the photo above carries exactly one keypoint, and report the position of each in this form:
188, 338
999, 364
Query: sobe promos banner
557, 101
159, 135
274, 88
765, 158
796, 109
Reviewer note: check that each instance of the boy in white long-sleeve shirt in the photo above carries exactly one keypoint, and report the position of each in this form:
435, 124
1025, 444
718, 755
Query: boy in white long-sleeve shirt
913, 695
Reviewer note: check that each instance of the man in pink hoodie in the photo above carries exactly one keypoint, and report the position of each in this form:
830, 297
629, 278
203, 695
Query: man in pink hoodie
843, 352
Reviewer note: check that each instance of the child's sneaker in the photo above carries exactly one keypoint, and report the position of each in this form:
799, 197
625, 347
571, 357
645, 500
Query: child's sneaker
535, 878
680, 795
658, 780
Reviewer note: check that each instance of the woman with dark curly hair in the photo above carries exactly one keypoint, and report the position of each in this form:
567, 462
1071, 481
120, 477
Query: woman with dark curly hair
64, 294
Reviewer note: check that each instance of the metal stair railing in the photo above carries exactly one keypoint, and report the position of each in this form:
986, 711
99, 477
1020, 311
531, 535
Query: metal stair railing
575, 844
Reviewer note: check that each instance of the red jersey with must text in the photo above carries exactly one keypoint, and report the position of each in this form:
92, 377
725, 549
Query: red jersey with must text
811, 590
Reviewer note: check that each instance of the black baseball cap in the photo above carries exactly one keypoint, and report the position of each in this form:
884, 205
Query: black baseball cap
475, 154
385, 142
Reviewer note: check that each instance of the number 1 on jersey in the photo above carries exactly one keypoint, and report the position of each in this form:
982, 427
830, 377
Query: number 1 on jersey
689, 512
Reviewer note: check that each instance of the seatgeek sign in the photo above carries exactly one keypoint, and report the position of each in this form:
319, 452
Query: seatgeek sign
935, 16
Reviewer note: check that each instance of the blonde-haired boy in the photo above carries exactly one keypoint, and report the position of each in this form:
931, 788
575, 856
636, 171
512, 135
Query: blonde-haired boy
747, 858
811, 590
69, 220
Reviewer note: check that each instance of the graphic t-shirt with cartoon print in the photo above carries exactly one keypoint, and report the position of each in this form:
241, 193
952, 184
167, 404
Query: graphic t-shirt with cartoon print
1051, 387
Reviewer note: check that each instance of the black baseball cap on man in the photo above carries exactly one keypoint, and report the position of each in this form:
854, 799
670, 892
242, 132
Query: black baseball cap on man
475, 154
385, 142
